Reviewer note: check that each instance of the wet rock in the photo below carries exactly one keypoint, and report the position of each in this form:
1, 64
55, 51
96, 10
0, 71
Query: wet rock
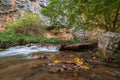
45, 56
54, 69
42, 56
63, 67
29, 45
66, 66
114, 73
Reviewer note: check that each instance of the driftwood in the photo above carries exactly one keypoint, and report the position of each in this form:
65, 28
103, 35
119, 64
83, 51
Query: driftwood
80, 47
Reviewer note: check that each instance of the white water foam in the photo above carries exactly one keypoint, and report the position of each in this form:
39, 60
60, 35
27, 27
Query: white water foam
25, 50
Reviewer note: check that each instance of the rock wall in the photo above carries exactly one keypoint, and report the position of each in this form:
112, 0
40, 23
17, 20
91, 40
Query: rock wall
7, 14
11, 11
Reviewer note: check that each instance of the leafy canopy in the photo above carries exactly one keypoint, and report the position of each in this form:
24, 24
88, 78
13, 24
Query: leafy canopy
85, 13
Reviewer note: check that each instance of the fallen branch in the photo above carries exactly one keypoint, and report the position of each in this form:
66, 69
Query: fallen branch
79, 47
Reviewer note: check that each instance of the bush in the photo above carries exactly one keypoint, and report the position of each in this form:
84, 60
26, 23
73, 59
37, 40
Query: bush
30, 24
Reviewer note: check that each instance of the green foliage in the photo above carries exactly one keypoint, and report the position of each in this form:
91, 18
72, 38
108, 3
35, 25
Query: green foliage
64, 8
9, 37
104, 13
28, 29
30, 24
118, 30
85, 13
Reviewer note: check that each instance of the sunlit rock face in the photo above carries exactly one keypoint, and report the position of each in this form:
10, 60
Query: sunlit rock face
10, 12
109, 43
62, 36
7, 13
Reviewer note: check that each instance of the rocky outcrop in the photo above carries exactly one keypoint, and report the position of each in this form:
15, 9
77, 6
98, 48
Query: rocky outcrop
109, 44
87, 35
11, 11
62, 34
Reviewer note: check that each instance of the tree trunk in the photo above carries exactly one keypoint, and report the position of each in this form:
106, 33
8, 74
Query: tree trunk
116, 17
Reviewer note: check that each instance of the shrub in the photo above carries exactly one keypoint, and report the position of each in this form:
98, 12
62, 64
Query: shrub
30, 24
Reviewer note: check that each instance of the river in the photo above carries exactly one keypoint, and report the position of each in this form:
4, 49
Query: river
28, 62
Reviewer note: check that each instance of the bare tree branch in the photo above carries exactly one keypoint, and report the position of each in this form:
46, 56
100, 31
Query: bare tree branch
116, 16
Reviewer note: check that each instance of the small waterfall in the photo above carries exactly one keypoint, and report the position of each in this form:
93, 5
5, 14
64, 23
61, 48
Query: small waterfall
25, 50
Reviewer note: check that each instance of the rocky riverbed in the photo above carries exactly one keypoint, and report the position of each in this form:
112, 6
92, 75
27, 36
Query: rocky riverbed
65, 65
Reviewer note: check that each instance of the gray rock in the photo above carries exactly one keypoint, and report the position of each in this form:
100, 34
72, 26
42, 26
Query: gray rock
109, 43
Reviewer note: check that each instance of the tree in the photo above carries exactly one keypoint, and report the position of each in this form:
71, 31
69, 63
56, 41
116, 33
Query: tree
85, 13
105, 13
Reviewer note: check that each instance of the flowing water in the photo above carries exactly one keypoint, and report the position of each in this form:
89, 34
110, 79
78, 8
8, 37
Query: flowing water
26, 50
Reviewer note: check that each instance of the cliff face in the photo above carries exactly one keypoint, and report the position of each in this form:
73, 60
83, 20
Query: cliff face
7, 14
11, 10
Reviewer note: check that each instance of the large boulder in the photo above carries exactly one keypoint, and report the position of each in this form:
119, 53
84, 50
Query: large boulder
88, 35
109, 44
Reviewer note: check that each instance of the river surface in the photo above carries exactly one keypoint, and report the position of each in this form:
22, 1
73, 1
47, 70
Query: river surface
23, 63
27, 49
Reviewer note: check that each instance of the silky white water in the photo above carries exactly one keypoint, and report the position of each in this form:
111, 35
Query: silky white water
25, 50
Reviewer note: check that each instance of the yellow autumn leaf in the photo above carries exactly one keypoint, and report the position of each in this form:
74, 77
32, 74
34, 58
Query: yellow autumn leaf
57, 61
78, 61
85, 67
